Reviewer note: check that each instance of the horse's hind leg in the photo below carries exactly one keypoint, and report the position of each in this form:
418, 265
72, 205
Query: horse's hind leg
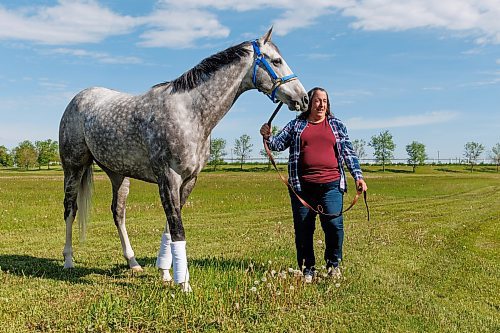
72, 178
121, 186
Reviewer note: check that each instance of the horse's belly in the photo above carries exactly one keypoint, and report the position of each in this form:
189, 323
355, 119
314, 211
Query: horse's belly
124, 157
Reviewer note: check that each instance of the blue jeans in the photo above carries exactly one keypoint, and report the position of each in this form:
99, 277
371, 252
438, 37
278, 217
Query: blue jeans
329, 196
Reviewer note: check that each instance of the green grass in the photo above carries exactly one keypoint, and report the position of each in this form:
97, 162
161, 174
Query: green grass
428, 261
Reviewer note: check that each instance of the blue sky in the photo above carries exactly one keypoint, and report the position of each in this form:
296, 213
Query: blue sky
426, 70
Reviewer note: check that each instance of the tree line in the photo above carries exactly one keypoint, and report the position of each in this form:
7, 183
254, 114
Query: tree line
29, 155
382, 144
42, 153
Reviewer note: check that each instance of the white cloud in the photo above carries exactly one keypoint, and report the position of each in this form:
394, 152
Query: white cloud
182, 23
318, 56
101, 57
403, 121
296, 13
68, 22
179, 28
433, 88
352, 93
476, 17
479, 17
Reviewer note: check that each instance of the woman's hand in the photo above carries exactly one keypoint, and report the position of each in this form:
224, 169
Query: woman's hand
361, 185
265, 131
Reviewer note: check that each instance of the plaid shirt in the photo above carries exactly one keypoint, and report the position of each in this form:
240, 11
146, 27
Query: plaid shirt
289, 137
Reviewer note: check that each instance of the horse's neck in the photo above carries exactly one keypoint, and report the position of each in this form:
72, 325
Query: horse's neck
214, 98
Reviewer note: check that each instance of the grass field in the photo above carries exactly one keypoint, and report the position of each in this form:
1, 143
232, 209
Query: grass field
428, 261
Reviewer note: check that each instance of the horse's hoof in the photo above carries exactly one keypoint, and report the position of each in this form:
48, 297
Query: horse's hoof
185, 287
165, 275
137, 269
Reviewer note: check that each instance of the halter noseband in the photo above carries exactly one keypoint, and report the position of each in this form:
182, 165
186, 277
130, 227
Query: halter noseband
277, 81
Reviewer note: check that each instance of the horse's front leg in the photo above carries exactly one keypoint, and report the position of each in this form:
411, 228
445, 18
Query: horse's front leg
164, 259
173, 246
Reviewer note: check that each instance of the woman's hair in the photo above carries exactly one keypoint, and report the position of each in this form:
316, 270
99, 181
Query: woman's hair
310, 94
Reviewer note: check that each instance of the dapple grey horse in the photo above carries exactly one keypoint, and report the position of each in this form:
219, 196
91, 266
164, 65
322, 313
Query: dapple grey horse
162, 137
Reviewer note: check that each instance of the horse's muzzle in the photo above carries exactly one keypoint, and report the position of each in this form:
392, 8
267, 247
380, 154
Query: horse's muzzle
299, 106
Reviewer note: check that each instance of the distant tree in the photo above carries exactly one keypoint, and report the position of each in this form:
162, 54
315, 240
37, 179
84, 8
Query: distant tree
416, 154
242, 148
495, 154
472, 151
359, 148
5, 157
384, 148
217, 152
48, 151
25, 155
275, 154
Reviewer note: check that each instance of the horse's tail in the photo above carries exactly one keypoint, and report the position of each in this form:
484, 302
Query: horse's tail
84, 200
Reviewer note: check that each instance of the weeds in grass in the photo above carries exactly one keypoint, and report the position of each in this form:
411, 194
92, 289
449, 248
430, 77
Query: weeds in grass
427, 261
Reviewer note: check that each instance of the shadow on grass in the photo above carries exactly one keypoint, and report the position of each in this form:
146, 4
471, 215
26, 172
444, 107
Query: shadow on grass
387, 170
398, 171
29, 266
449, 170
215, 263
238, 169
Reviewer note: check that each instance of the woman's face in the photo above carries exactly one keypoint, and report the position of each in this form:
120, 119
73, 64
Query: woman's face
319, 105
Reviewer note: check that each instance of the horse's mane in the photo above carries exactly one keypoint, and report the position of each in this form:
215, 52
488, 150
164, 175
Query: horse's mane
206, 68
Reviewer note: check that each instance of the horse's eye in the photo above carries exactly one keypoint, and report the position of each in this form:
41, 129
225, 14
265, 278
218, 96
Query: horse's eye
277, 61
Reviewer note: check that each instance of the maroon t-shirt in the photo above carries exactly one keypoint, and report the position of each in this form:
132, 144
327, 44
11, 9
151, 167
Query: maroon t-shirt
318, 159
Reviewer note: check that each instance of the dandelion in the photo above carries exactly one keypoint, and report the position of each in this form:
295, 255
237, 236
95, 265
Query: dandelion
320, 241
290, 270
278, 292
269, 285
264, 279
292, 287
337, 285
172, 295
269, 262
253, 289
256, 282
273, 273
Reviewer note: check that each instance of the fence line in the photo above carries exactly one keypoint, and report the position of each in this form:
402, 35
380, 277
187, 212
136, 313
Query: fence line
284, 160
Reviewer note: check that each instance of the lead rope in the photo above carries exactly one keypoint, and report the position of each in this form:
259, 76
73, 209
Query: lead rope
319, 208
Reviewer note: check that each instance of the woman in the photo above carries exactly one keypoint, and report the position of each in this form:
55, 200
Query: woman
319, 146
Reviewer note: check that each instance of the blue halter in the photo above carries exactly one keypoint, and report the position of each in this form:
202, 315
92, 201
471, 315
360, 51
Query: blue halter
277, 81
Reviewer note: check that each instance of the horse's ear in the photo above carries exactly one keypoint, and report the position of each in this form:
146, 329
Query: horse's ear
267, 37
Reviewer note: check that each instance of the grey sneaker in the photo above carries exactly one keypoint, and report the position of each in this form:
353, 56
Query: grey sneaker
334, 272
308, 275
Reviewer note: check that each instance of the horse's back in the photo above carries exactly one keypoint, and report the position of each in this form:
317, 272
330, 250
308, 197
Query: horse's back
107, 124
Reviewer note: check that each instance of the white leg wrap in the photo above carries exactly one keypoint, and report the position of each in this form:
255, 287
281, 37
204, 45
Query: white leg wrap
181, 274
164, 260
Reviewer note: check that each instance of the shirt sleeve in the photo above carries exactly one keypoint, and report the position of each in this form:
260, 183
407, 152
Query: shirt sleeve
348, 153
283, 139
